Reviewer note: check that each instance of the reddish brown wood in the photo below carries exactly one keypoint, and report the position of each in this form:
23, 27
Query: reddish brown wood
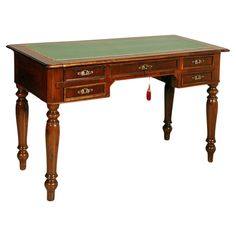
85, 92
212, 108
120, 71
38, 79
31, 75
169, 98
196, 78
84, 72
198, 61
22, 112
59, 81
54, 93
52, 142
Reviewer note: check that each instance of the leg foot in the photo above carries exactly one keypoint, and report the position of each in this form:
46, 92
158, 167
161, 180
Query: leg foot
22, 112
169, 98
167, 128
51, 185
212, 108
52, 142
211, 148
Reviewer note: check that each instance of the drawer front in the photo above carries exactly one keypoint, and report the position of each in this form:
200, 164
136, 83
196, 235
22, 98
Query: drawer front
126, 70
156, 67
84, 72
198, 61
141, 68
196, 78
82, 92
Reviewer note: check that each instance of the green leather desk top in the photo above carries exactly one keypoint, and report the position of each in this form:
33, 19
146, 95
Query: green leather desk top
60, 52
115, 47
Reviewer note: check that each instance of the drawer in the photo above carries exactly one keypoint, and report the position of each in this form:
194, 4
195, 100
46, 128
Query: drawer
196, 78
126, 70
198, 61
158, 67
84, 72
141, 68
82, 92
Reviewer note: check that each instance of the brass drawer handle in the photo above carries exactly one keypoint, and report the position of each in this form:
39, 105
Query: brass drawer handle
85, 72
198, 77
198, 61
85, 91
145, 67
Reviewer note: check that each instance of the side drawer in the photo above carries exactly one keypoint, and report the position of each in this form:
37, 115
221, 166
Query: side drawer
82, 92
197, 78
198, 61
84, 72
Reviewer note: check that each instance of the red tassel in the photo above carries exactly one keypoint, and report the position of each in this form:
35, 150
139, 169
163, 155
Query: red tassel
149, 94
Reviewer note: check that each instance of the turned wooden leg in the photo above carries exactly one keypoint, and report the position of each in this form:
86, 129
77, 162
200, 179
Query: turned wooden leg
211, 110
52, 142
169, 98
22, 112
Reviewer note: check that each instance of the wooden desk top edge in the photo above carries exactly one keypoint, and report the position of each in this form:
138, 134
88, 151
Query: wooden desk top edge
51, 63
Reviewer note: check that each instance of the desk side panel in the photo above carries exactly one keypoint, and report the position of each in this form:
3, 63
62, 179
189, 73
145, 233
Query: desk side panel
31, 75
216, 78
38, 79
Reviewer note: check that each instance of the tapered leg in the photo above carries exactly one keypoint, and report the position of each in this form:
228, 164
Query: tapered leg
52, 142
212, 108
169, 98
22, 112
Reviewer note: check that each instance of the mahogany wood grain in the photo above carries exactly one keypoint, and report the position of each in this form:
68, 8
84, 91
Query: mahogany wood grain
22, 112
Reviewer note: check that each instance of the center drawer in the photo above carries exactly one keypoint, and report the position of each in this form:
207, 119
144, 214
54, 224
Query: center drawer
141, 68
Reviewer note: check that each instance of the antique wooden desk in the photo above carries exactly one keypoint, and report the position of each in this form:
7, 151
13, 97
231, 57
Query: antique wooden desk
61, 72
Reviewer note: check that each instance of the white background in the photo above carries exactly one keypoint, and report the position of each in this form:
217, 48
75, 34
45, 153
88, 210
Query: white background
117, 176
